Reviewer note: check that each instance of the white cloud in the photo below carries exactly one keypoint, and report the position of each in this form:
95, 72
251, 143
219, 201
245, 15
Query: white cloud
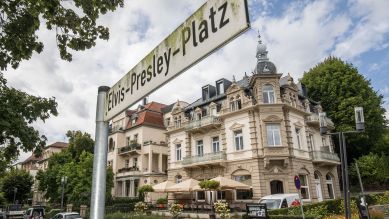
303, 35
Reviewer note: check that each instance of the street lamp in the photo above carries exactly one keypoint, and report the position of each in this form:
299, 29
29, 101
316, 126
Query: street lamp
360, 127
64, 180
15, 191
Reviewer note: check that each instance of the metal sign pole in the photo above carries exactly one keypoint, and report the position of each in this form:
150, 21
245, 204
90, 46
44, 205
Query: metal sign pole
301, 204
346, 177
100, 159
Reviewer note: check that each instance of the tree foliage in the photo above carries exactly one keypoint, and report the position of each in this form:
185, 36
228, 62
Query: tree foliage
19, 179
374, 169
74, 23
77, 164
18, 110
339, 87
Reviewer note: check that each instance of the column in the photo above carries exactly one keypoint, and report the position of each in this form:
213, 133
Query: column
132, 188
150, 159
123, 188
160, 163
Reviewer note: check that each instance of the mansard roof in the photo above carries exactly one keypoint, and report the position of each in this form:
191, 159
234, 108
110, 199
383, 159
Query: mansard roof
149, 114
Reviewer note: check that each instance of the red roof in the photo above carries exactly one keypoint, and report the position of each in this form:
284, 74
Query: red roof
32, 158
58, 145
150, 114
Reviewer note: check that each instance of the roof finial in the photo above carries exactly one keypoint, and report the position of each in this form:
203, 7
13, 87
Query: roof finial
259, 38
245, 74
233, 79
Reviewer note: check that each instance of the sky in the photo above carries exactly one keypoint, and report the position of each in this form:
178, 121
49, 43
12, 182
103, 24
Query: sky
298, 34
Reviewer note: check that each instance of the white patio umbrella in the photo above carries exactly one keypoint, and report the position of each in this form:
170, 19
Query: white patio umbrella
226, 183
162, 187
188, 185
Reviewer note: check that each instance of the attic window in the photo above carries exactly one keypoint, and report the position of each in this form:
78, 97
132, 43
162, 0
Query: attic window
220, 87
133, 121
205, 93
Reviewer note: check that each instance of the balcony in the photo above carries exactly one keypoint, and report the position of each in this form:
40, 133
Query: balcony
204, 124
117, 128
206, 160
313, 119
128, 169
132, 148
325, 157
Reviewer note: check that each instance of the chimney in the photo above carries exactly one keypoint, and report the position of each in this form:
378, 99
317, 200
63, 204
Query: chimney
144, 101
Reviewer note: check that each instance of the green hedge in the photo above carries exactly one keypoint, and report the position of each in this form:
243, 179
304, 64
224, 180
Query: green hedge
121, 201
119, 215
289, 217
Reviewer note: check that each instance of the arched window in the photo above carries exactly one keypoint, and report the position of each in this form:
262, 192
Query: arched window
232, 104
276, 187
111, 145
268, 94
238, 103
330, 186
319, 194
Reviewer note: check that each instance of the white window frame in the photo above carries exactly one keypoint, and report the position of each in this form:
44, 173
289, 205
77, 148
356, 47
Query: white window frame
178, 152
200, 148
298, 137
215, 144
238, 140
305, 186
312, 141
269, 93
330, 182
271, 129
127, 163
135, 162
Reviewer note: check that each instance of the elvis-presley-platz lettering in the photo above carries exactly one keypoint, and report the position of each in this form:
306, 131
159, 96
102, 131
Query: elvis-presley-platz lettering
214, 24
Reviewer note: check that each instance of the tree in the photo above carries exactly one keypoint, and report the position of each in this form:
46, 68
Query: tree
77, 164
73, 21
339, 87
18, 110
20, 180
143, 190
374, 170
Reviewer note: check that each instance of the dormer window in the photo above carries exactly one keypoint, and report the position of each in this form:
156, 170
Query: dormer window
177, 121
220, 87
268, 94
205, 93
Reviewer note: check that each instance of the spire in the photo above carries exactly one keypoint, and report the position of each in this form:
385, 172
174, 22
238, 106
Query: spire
233, 79
261, 50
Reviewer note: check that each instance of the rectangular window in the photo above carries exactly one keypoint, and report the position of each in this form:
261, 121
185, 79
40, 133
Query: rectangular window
136, 138
205, 93
238, 137
215, 145
323, 140
304, 187
298, 136
273, 135
128, 141
200, 148
127, 163
200, 195
243, 194
220, 87
178, 152
167, 122
311, 142
221, 195
135, 162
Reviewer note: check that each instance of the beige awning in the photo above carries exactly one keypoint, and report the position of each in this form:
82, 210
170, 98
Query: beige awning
226, 183
162, 187
188, 185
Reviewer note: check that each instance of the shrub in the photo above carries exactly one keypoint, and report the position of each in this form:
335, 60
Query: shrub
222, 209
143, 190
140, 208
319, 211
209, 184
162, 200
175, 210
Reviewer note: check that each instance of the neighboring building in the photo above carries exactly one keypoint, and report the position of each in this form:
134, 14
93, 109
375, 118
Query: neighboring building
137, 149
33, 164
261, 130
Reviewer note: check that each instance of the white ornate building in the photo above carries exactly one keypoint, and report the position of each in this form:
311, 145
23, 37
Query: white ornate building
261, 130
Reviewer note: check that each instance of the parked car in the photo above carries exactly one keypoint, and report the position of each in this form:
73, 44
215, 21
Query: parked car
279, 200
13, 211
67, 215
35, 213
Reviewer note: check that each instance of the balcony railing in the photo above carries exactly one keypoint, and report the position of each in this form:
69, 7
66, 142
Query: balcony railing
129, 148
314, 118
127, 169
204, 121
205, 158
113, 129
325, 156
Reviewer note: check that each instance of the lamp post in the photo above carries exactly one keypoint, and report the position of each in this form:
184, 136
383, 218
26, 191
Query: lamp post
15, 191
360, 127
64, 180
